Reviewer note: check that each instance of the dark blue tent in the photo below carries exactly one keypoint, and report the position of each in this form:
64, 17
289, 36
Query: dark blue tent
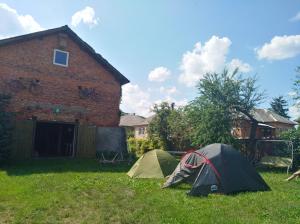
217, 168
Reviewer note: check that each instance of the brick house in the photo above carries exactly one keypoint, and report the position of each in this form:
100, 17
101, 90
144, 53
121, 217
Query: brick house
62, 91
270, 125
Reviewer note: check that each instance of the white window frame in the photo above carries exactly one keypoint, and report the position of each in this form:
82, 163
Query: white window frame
141, 130
67, 61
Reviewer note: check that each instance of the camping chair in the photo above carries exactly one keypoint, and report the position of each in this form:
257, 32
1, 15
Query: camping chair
110, 157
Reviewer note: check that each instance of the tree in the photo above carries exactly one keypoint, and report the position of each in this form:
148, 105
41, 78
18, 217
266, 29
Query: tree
6, 128
179, 128
158, 127
279, 106
170, 126
232, 94
210, 123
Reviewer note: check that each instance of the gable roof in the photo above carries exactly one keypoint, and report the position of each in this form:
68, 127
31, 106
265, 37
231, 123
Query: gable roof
149, 119
131, 120
265, 116
86, 47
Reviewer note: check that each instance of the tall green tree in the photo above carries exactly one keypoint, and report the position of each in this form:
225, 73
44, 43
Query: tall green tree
158, 127
210, 123
279, 106
180, 129
170, 126
232, 94
6, 128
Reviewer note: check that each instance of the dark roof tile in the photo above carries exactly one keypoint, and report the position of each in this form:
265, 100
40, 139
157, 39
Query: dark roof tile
266, 116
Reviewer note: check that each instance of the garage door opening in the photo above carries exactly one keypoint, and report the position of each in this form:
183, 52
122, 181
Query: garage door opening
54, 139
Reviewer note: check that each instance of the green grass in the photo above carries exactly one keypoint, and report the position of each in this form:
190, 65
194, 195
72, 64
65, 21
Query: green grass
82, 191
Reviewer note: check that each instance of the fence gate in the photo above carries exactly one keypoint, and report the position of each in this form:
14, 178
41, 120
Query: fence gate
23, 139
86, 141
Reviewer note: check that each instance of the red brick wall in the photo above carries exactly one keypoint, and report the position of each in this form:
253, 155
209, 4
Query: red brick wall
243, 127
280, 127
21, 64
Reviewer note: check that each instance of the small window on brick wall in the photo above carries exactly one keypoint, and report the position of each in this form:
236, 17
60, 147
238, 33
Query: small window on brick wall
61, 58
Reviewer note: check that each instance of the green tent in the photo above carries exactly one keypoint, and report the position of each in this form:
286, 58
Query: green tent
153, 164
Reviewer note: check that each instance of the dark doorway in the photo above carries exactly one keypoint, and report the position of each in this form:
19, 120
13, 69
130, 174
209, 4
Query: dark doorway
54, 139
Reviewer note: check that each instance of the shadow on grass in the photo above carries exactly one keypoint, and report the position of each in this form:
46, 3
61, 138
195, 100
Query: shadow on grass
60, 165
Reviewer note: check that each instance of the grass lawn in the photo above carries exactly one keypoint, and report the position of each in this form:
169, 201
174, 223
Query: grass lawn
82, 191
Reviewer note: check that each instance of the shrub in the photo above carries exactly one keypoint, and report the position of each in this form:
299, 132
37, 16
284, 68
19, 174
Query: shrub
140, 146
129, 132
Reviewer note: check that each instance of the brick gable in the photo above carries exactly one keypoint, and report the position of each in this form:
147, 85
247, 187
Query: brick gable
85, 90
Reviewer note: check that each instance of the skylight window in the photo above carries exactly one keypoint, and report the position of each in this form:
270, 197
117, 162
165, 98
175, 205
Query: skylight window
61, 58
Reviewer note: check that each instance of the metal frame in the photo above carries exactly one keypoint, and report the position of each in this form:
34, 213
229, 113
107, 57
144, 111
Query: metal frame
118, 157
289, 144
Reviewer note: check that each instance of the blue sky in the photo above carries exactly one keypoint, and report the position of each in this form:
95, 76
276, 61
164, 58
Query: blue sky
164, 47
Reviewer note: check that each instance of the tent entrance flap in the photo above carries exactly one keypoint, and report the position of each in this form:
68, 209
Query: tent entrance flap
206, 161
206, 182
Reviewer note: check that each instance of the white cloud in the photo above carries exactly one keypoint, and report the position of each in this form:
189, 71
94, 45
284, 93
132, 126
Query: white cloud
86, 16
294, 112
139, 101
292, 93
280, 47
135, 100
159, 74
237, 63
169, 99
295, 18
181, 103
168, 91
12, 23
203, 59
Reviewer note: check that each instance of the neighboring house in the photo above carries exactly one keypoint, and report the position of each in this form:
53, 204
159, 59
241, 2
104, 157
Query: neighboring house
62, 92
270, 125
137, 124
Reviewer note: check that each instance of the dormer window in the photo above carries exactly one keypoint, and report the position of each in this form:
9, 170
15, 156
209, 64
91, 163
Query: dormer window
61, 58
